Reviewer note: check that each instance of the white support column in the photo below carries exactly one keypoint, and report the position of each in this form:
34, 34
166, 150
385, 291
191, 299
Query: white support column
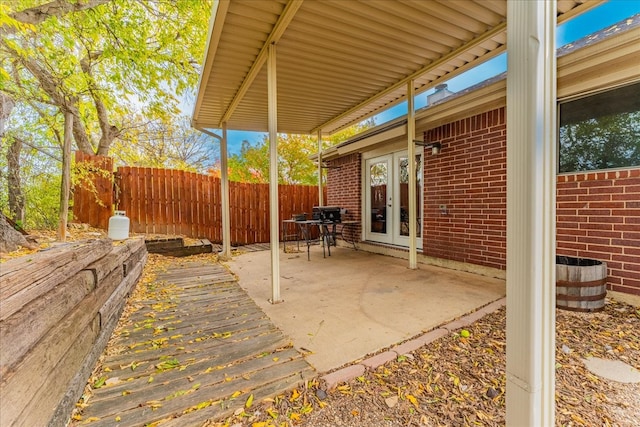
224, 182
320, 193
272, 90
411, 155
531, 175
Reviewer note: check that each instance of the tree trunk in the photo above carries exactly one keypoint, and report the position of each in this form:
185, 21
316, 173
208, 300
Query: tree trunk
66, 177
6, 105
16, 198
10, 238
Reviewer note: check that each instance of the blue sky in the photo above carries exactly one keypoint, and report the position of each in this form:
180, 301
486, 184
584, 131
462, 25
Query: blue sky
594, 20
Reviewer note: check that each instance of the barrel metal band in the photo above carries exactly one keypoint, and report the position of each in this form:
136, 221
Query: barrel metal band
581, 298
570, 284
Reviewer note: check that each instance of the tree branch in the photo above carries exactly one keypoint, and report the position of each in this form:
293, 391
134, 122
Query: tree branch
6, 105
38, 14
54, 89
109, 131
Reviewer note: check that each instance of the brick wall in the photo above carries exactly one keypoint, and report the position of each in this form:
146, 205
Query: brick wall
598, 213
469, 178
598, 216
346, 173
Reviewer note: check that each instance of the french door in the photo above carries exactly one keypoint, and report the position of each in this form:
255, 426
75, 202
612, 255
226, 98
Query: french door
387, 199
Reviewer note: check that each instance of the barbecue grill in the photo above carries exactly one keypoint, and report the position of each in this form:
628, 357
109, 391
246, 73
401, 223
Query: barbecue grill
327, 217
327, 214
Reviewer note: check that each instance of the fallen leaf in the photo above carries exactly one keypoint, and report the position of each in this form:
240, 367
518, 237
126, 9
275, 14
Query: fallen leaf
412, 399
249, 401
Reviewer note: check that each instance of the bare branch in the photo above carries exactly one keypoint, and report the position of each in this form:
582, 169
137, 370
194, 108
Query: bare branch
42, 150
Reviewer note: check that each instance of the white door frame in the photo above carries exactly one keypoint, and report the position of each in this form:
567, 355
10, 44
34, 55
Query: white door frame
391, 214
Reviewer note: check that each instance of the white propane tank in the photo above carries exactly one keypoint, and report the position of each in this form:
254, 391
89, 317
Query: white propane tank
118, 226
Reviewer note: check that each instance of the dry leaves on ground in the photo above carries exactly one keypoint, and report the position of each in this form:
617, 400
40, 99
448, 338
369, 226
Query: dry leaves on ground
147, 289
460, 381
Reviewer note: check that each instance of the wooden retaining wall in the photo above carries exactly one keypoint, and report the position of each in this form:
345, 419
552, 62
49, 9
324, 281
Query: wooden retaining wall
58, 309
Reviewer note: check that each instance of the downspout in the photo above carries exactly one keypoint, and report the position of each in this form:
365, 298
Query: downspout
224, 186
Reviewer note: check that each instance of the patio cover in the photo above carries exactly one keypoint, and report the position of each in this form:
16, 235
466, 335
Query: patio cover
341, 61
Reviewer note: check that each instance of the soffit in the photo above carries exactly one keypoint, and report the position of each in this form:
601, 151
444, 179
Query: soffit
584, 68
339, 62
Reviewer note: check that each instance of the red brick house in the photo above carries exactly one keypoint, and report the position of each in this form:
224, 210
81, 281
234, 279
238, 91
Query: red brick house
462, 190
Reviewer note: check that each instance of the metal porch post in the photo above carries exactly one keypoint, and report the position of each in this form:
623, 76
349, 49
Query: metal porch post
272, 92
320, 194
224, 181
531, 201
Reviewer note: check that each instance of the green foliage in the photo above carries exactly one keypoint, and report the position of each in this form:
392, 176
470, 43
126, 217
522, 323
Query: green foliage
41, 187
294, 163
42, 201
294, 158
106, 61
252, 164
116, 65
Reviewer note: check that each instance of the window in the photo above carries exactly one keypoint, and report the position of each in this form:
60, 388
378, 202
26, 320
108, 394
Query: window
601, 131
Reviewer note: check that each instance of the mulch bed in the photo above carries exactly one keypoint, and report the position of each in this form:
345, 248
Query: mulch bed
460, 381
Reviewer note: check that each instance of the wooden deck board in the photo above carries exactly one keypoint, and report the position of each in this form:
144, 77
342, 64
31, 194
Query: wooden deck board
181, 357
150, 354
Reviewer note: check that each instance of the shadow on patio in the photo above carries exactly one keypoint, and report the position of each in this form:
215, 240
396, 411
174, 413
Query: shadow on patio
340, 308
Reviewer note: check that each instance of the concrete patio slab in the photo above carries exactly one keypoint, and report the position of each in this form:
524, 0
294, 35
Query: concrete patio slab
339, 309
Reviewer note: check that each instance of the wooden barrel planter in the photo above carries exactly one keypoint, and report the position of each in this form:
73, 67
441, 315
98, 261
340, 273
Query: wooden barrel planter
581, 284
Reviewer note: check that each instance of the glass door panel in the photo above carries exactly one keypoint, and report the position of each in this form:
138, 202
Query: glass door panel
378, 199
401, 188
387, 199
379, 173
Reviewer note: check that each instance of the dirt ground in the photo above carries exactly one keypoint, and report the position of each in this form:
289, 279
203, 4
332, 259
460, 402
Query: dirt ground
460, 381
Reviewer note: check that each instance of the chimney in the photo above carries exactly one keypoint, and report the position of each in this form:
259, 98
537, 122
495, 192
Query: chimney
440, 93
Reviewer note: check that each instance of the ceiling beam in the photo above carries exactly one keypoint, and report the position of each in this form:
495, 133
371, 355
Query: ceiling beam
278, 30
400, 84
425, 87
578, 10
587, 5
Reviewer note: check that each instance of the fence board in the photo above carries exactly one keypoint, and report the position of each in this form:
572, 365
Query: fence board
171, 217
93, 196
173, 202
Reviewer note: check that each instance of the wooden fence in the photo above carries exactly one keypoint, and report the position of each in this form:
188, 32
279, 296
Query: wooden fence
173, 202
93, 194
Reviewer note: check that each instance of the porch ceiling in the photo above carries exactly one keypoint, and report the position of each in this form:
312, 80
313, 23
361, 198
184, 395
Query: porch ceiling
339, 62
